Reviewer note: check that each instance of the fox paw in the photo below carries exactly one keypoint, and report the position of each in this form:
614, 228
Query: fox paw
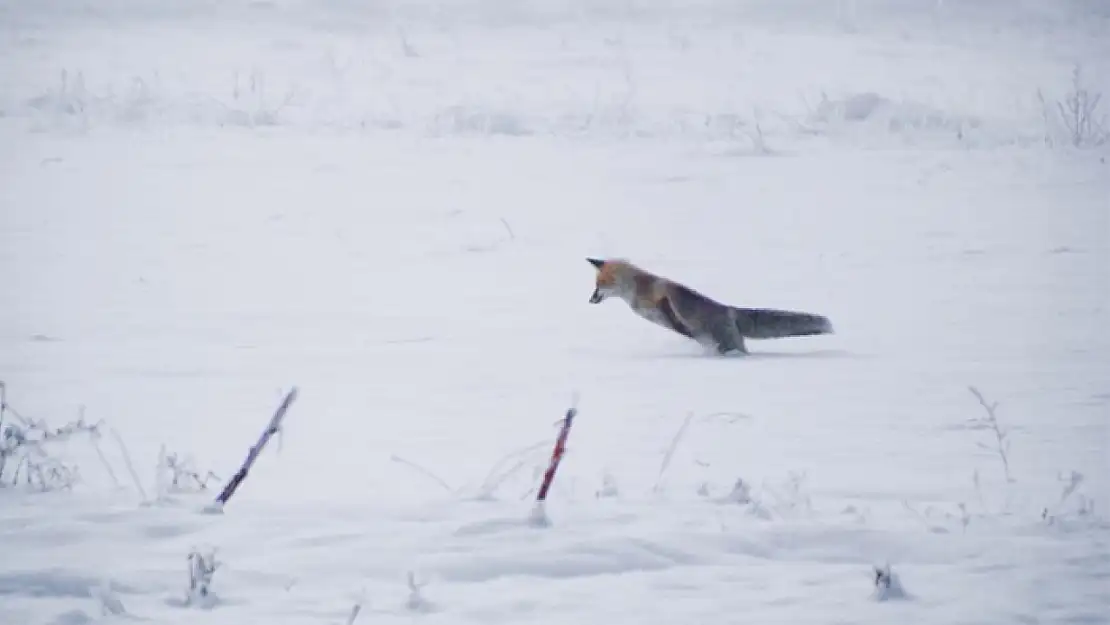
730, 350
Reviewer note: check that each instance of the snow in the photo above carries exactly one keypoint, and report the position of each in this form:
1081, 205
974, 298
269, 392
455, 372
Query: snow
389, 207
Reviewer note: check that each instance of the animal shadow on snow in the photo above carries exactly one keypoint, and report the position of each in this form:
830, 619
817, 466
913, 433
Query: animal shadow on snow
756, 354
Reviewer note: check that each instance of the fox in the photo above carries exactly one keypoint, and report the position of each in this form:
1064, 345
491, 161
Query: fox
681, 309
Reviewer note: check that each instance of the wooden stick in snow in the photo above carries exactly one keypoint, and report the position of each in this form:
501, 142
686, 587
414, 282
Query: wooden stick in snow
272, 428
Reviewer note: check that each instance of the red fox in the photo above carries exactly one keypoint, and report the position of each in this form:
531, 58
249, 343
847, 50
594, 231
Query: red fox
693, 315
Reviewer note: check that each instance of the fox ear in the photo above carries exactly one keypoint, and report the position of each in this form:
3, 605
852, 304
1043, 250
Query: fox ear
595, 262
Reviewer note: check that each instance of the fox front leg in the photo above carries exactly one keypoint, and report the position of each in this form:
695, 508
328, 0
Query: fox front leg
670, 317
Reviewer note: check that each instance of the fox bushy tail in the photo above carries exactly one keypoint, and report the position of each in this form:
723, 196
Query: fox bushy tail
768, 323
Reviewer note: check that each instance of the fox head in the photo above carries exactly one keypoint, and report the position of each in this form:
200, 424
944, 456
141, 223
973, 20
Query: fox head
610, 279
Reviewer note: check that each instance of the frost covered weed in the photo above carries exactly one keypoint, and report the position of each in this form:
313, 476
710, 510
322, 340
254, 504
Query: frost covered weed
176, 474
202, 568
27, 449
1082, 506
416, 601
1076, 118
887, 584
989, 421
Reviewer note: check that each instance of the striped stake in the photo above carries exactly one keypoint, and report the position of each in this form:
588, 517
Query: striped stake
538, 514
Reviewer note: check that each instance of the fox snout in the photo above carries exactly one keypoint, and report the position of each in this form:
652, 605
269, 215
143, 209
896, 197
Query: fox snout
597, 296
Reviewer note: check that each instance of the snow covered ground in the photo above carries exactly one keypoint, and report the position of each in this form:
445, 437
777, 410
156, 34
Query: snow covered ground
203, 204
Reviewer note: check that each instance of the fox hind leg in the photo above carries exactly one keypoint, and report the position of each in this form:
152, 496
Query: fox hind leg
720, 334
725, 337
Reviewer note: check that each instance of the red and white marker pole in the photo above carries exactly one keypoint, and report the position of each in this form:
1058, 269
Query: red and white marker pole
538, 514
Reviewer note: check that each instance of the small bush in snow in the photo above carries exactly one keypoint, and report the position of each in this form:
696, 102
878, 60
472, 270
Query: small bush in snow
109, 601
792, 498
741, 494
990, 422
416, 601
1071, 504
202, 568
25, 449
178, 474
608, 486
1076, 118
1083, 507
887, 584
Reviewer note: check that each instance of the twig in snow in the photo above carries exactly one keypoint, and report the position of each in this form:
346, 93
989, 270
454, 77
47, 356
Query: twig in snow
3, 431
1073, 482
356, 608
1049, 140
965, 516
423, 471
512, 236
978, 489
183, 476
406, 47
130, 466
100, 454
493, 479
1002, 444
3, 402
670, 450
202, 567
182, 471
416, 600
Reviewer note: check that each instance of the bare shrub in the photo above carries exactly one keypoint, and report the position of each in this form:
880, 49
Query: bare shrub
1075, 118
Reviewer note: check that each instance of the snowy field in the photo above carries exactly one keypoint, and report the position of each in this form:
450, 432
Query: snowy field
389, 206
